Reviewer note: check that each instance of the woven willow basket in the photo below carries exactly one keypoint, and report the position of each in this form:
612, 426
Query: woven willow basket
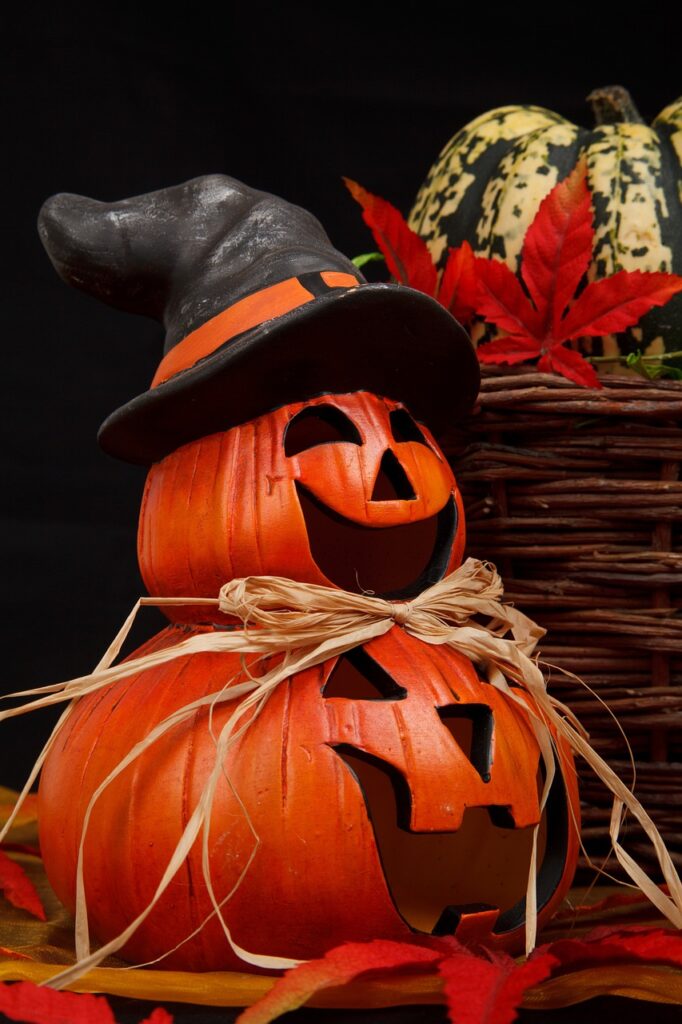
575, 495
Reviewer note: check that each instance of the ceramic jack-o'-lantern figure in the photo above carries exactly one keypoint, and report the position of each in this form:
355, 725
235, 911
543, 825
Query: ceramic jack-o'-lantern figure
393, 790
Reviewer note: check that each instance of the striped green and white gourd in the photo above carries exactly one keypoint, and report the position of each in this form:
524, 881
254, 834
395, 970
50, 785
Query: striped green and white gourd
491, 177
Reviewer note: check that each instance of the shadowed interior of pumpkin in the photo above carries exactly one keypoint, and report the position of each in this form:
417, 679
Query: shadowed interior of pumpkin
394, 561
436, 878
390, 561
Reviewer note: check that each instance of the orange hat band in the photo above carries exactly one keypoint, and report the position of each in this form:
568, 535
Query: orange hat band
250, 312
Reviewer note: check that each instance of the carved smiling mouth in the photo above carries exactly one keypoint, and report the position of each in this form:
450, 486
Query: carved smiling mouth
436, 880
395, 562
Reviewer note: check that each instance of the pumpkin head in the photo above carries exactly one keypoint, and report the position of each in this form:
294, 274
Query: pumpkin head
490, 178
342, 490
392, 792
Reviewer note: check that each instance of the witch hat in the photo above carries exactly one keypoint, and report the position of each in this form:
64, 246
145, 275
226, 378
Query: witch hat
260, 310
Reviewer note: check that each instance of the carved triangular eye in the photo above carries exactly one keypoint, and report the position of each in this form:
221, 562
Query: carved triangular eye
404, 428
358, 677
319, 424
471, 726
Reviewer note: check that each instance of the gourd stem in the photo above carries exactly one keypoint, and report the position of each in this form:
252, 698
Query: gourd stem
613, 104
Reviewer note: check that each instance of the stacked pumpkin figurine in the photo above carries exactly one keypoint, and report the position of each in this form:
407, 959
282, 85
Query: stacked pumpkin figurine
292, 431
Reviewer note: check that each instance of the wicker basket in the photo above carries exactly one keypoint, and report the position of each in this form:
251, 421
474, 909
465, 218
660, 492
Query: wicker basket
575, 496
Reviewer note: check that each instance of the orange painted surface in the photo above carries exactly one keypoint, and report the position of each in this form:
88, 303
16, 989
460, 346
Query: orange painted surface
250, 312
337, 279
324, 871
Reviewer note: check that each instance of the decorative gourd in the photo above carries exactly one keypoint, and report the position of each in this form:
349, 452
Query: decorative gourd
392, 792
344, 490
490, 179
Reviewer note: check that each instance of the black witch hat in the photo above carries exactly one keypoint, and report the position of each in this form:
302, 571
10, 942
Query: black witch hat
260, 310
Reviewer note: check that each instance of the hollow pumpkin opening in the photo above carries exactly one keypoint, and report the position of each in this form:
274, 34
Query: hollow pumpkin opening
436, 878
356, 676
319, 424
391, 561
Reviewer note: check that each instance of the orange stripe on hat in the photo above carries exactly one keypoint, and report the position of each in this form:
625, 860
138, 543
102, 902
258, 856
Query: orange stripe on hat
250, 312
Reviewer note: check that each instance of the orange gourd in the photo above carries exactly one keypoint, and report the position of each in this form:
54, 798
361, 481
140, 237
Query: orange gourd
392, 792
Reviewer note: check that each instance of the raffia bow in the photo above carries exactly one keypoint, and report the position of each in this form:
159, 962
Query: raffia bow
306, 625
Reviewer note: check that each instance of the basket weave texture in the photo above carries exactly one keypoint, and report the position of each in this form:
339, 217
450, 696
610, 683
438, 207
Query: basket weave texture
575, 495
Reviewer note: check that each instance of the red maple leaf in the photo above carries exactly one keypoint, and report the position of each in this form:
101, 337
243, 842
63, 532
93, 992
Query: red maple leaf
409, 260
616, 945
338, 967
18, 888
488, 988
458, 289
481, 986
35, 1004
556, 254
406, 254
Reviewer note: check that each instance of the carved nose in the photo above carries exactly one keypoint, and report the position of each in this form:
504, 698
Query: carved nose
392, 483
471, 727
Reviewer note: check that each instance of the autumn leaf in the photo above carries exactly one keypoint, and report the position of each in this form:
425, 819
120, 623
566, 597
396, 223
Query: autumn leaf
508, 349
458, 289
17, 887
502, 301
541, 311
557, 248
481, 986
617, 945
407, 256
616, 302
556, 254
409, 260
570, 364
158, 1016
337, 967
35, 1004
488, 989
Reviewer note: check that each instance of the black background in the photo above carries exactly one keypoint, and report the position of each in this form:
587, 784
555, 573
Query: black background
286, 97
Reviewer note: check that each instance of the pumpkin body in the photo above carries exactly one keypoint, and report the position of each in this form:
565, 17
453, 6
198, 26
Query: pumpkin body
490, 178
343, 490
392, 792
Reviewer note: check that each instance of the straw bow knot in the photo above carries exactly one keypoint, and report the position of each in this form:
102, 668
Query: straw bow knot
288, 613
400, 612
272, 602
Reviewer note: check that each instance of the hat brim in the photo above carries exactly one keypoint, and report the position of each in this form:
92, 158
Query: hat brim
387, 339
